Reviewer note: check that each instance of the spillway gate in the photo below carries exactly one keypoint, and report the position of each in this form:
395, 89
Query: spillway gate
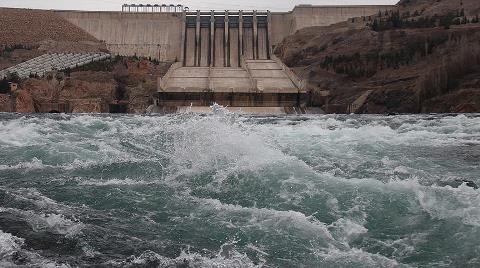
221, 39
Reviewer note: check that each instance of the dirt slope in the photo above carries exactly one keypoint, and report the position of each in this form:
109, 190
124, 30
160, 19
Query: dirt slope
25, 26
409, 70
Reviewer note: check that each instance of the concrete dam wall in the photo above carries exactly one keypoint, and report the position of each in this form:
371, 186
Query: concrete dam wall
223, 57
155, 35
161, 35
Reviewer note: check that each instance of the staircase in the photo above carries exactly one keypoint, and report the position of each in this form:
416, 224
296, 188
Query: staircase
270, 77
201, 79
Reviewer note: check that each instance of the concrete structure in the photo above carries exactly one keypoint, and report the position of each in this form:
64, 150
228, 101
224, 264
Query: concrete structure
53, 62
160, 34
359, 102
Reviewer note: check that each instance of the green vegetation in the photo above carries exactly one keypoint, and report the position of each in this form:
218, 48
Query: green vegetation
6, 50
105, 65
97, 66
367, 65
393, 20
439, 80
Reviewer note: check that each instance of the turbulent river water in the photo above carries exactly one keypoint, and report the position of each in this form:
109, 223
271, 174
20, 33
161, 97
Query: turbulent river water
235, 191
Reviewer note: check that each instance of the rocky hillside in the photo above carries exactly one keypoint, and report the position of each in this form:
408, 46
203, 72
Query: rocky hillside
26, 33
128, 83
432, 7
422, 57
28, 27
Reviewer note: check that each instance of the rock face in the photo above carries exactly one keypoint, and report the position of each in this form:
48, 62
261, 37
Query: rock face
408, 70
91, 90
79, 95
5, 103
88, 106
24, 102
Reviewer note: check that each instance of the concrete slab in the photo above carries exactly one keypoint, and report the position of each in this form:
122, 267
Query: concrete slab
268, 74
276, 83
196, 84
228, 72
237, 110
191, 72
231, 84
263, 66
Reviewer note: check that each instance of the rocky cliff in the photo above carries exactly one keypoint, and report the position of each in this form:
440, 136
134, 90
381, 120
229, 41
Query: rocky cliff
128, 82
422, 57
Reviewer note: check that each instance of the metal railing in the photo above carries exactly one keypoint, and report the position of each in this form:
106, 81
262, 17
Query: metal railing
156, 8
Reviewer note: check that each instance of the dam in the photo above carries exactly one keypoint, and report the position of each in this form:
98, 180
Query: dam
223, 57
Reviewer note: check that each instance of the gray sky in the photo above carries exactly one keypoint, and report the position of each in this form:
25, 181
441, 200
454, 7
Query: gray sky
276, 5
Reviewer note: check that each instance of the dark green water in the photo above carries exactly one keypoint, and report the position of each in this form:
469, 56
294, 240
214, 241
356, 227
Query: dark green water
228, 191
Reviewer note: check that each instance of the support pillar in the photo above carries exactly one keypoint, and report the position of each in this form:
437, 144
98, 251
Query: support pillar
197, 40
255, 35
184, 39
240, 35
269, 35
226, 42
211, 58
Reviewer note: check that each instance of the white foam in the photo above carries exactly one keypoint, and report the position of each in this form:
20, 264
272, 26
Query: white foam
450, 203
34, 164
126, 181
233, 260
210, 143
54, 223
347, 230
270, 219
9, 244
355, 257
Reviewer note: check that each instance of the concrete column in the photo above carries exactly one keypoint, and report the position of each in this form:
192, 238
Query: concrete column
226, 42
269, 35
184, 39
212, 39
197, 41
240, 34
255, 35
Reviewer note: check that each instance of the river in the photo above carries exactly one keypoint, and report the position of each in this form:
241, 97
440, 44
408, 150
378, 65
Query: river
225, 190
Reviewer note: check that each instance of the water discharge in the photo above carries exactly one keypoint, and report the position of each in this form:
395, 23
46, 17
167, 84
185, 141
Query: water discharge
234, 191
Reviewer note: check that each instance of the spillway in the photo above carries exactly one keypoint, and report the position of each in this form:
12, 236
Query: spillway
227, 59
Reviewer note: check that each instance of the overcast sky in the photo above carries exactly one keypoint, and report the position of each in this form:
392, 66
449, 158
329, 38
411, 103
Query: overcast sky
276, 5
